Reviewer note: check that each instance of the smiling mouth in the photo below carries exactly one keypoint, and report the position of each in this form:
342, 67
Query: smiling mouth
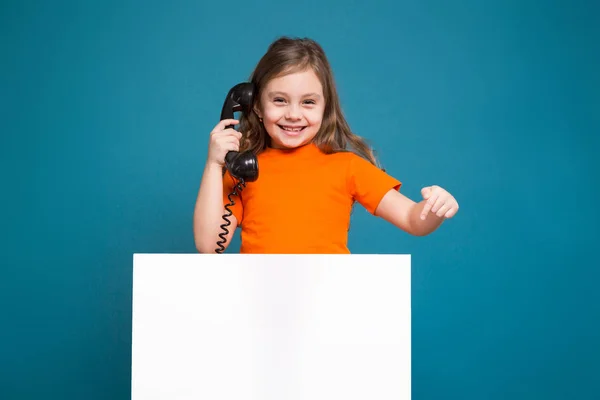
292, 129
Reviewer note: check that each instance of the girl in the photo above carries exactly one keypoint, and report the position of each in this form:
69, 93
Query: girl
312, 168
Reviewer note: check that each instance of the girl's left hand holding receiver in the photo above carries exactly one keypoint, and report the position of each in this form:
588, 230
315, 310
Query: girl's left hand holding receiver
439, 202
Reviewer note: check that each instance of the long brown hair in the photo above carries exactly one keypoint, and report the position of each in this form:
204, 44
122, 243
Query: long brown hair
288, 55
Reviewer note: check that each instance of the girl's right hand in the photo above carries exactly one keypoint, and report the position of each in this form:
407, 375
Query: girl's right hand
223, 141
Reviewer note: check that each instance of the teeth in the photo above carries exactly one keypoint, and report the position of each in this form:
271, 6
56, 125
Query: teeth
286, 128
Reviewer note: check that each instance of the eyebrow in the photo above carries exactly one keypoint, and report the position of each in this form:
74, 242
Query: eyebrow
305, 95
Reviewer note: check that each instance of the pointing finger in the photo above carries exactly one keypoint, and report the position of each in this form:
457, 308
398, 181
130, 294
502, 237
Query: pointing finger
427, 207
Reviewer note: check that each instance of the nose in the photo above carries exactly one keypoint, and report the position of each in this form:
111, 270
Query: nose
293, 113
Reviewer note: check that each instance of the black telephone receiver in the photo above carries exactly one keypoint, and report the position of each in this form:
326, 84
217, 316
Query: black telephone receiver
242, 166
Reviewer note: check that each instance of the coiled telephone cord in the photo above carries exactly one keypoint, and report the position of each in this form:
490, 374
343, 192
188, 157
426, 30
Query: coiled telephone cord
237, 189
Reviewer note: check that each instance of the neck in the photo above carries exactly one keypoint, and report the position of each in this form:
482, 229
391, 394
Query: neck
281, 148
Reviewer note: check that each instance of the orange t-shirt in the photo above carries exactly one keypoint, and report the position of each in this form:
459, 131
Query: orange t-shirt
302, 200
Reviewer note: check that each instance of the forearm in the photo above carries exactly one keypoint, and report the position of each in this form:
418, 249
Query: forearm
421, 227
209, 209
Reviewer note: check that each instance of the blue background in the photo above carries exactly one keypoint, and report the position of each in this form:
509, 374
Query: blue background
106, 109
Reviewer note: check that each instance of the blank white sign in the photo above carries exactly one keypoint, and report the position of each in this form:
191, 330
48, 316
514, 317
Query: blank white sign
262, 327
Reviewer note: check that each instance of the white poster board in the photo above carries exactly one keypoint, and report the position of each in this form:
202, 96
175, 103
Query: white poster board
262, 327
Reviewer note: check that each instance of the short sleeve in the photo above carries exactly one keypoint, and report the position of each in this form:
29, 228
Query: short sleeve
368, 184
228, 186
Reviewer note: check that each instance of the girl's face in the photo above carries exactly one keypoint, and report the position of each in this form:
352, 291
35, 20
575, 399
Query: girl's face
292, 109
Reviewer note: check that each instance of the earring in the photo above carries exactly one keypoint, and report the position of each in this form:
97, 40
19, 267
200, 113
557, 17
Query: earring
260, 119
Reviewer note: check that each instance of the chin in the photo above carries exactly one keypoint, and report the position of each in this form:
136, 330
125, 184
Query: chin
291, 143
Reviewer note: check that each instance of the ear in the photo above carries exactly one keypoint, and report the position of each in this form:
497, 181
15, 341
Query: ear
257, 112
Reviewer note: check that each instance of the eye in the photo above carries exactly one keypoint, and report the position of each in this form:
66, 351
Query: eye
278, 100
311, 102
